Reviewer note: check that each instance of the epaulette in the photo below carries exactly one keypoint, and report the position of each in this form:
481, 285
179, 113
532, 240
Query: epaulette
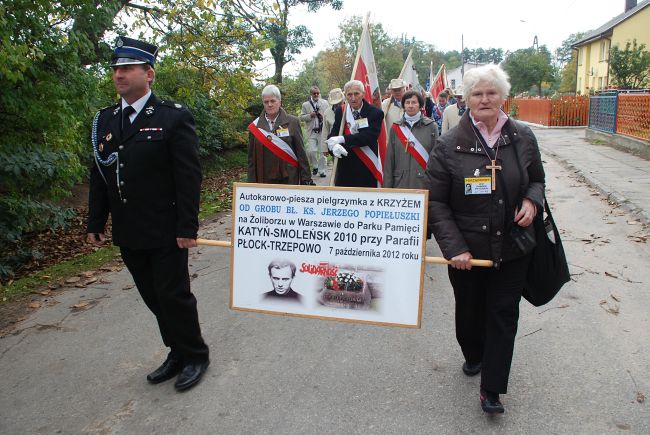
172, 104
113, 106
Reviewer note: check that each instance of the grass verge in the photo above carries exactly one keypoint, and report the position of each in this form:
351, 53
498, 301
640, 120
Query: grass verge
58, 272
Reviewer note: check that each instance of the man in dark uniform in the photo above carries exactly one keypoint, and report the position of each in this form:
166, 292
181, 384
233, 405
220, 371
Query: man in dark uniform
147, 175
364, 130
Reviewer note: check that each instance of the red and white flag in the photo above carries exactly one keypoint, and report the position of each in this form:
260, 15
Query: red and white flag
438, 83
365, 70
409, 74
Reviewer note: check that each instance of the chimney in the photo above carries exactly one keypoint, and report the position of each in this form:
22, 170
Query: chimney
629, 4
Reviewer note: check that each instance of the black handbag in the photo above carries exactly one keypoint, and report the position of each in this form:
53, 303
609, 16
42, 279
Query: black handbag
548, 270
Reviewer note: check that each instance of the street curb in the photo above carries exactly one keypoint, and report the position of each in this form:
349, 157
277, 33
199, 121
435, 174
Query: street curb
612, 196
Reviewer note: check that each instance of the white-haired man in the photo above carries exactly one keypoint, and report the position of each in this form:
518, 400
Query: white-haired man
276, 153
362, 128
312, 115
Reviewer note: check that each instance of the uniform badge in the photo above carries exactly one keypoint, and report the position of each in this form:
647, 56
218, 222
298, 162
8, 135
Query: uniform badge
411, 143
109, 136
178, 106
148, 110
101, 146
477, 172
119, 42
117, 109
269, 137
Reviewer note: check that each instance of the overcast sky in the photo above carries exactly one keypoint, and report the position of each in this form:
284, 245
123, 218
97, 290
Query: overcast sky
506, 24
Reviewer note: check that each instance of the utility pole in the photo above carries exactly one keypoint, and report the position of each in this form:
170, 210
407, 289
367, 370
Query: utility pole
462, 59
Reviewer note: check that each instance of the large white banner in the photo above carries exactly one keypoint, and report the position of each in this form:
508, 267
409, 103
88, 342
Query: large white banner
342, 253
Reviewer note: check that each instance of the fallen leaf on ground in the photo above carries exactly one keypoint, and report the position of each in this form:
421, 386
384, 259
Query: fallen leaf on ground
640, 397
616, 297
80, 285
632, 222
87, 274
44, 292
104, 281
72, 280
34, 305
80, 305
610, 275
91, 280
128, 287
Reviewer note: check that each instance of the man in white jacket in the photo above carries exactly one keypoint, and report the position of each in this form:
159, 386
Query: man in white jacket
312, 115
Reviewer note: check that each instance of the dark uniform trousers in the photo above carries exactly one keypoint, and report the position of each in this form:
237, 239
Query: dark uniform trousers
162, 278
487, 311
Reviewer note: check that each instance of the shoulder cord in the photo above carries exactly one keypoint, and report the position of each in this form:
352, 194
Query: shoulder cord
112, 158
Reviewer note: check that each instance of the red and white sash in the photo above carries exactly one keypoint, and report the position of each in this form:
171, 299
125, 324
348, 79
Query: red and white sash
365, 154
276, 145
412, 144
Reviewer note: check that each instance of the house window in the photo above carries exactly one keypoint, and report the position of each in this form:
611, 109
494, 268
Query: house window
603, 51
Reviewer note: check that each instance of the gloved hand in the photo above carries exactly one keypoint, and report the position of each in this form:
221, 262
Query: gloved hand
339, 151
333, 141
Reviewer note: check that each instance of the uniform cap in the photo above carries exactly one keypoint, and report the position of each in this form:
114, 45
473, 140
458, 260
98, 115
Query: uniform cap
130, 51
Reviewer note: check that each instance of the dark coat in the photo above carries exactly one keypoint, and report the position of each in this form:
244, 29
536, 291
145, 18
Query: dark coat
350, 170
266, 167
159, 176
481, 224
401, 170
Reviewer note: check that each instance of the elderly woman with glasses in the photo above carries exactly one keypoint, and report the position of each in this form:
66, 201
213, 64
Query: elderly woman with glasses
486, 184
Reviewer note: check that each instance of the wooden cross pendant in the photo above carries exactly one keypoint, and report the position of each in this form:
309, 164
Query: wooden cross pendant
493, 166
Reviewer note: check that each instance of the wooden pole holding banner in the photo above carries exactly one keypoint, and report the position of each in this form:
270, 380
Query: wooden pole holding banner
432, 260
345, 107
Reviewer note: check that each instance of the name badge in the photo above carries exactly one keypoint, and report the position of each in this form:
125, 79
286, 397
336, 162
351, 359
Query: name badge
282, 132
361, 122
478, 186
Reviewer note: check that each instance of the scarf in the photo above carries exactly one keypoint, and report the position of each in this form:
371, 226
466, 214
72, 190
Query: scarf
412, 119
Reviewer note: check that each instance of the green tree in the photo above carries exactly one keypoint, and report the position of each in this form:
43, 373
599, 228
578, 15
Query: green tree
566, 63
630, 67
47, 95
529, 67
270, 19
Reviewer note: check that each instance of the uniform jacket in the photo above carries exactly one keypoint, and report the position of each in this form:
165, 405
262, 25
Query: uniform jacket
351, 171
159, 176
450, 118
481, 224
266, 167
401, 170
392, 113
305, 116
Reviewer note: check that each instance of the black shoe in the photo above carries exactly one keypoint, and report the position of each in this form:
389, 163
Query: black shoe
490, 402
314, 171
471, 369
323, 175
170, 368
190, 375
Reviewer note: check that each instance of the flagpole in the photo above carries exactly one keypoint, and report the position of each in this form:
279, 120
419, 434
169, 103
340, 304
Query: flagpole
345, 106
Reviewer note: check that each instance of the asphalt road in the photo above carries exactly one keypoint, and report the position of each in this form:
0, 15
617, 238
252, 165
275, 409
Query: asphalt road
581, 364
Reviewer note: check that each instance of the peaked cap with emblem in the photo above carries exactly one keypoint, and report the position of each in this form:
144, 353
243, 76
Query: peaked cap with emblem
130, 51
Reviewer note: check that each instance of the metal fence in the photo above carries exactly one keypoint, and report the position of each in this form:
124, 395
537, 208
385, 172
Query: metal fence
633, 115
602, 113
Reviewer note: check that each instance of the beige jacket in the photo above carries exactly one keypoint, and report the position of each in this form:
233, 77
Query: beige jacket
450, 118
392, 113
305, 113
